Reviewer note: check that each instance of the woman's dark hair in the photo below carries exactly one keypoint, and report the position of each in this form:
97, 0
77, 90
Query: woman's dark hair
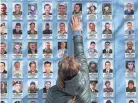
67, 69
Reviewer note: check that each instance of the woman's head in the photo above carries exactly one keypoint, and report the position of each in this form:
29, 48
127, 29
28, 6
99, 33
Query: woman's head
67, 69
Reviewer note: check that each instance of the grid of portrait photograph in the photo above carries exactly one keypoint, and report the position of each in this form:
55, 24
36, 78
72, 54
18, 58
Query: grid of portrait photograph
36, 35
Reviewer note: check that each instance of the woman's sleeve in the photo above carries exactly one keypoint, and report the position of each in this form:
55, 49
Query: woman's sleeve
79, 51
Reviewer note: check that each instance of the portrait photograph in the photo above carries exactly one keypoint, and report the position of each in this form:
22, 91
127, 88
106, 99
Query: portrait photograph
3, 89
47, 69
92, 11
47, 49
107, 49
93, 69
32, 50
62, 30
33, 88
32, 32
129, 30
108, 68
3, 69
77, 9
129, 49
107, 30
131, 88
62, 49
106, 11
17, 11
3, 50
17, 71
47, 11
4, 9
108, 88
17, 89
130, 68
47, 30
3, 30
92, 49
129, 10
17, 50
32, 69
47, 85
62, 10
32, 11
17, 30
94, 88
92, 30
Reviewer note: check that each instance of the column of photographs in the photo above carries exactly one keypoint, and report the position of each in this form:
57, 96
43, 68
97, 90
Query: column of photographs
108, 52
4, 50
92, 48
129, 31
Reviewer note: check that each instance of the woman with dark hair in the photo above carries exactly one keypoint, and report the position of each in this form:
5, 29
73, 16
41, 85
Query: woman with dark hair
73, 74
92, 9
130, 66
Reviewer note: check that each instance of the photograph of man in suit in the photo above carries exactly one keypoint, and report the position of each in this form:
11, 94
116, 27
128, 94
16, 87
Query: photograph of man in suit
129, 10
107, 49
129, 30
3, 70
107, 67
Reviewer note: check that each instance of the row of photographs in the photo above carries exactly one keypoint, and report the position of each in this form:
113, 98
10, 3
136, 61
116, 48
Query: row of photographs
92, 101
62, 10
33, 88
62, 30
47, 70
47, 51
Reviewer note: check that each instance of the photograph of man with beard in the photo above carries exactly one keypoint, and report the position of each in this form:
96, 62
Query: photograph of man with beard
3, 87
129, 49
